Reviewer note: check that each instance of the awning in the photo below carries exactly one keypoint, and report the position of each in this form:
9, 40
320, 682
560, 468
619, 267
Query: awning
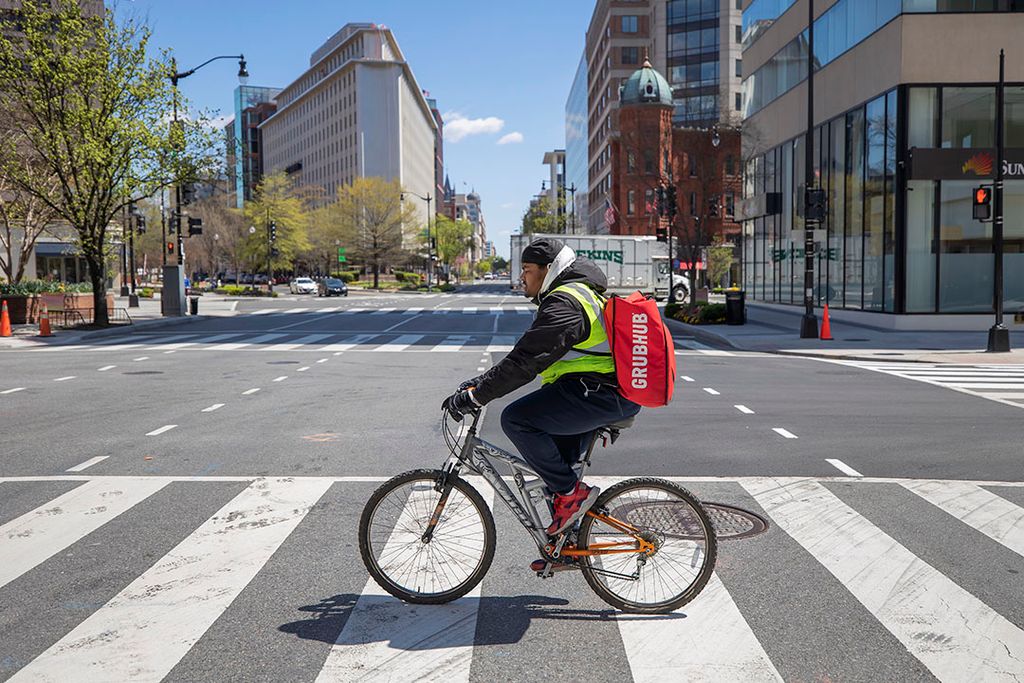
56, 249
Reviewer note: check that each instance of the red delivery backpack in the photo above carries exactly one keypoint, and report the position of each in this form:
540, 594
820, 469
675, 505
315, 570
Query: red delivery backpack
640, 343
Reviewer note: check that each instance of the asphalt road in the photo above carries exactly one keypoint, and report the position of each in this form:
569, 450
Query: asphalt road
125, 460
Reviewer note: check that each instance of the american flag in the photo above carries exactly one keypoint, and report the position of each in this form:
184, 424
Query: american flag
609, 212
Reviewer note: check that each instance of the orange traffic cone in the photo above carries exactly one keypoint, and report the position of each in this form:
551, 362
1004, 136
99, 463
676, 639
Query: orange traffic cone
826, 329
5, 322
44, 323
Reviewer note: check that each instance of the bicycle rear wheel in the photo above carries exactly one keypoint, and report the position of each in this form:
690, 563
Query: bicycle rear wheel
669, 517
442, 569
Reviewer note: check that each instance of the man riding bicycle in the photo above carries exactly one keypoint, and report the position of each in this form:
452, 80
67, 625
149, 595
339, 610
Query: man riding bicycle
567, 346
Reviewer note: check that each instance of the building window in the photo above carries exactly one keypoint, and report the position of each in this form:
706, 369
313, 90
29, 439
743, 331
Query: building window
630, 24
630, 55
649, 162
693, 204
739, 68
730, 204
739, 101
630, 163
649, 207
730, 165
968, 117
630, 203
739, 34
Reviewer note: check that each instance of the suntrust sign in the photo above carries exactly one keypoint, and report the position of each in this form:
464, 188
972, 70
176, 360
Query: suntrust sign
963, 164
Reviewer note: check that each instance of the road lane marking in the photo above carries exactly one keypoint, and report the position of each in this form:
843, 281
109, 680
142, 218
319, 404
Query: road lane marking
280, 379
469, 311
784, 432
481, 369
500, 343
106, 367
38, 535
843, 467
383, 311
992, 515
248, 392
687, 379
453, 342
357, 340
743, 409
64, 379
712, 391
323, 360
87, 464
140, 358
707, 640
214, 407
400, 344
303, 369
300, 342
903, 592
146, 629
378, 621
161, 430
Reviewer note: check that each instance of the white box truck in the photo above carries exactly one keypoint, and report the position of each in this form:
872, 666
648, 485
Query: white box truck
631, 263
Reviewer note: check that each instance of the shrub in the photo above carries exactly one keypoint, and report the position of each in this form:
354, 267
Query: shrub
146, 292
29, 287
348, 276
701, 313
243, 290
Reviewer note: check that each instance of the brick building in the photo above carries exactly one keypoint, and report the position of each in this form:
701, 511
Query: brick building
648, 152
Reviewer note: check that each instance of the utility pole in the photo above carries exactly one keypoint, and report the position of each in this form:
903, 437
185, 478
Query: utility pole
998, 335
809, 322
572, 192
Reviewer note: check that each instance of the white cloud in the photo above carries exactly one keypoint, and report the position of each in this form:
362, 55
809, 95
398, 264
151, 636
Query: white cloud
513, 138
457, 126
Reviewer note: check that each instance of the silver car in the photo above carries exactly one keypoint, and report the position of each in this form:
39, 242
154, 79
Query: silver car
302, 285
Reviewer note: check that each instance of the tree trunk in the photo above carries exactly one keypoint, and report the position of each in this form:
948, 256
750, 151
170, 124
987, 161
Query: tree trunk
97, 276
376, 275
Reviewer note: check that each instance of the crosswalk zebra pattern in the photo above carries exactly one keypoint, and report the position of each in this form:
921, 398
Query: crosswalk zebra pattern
1001, 383
176, 617
390, 310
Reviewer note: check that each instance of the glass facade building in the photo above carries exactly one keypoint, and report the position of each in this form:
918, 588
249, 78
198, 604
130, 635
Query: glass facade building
899, 235
693, 41
253, 104
576, 150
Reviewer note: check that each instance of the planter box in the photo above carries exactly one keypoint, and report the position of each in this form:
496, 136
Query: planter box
22, 309
27, 309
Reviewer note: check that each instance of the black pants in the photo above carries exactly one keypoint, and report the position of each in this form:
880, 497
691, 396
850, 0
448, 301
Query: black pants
553, 425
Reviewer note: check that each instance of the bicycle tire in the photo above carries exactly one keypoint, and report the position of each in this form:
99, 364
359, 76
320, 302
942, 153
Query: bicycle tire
700, 528
395, 587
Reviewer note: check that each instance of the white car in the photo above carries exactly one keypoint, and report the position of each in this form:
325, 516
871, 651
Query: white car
488, 276
302, 285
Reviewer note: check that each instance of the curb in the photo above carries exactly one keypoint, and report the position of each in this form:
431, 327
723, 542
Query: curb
701, 335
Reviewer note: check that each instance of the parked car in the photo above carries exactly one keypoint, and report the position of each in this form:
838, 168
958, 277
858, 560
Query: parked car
246, 279
330, 286
260, 279
302, 285
488, 276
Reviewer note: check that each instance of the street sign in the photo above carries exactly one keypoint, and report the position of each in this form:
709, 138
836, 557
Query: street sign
341, 255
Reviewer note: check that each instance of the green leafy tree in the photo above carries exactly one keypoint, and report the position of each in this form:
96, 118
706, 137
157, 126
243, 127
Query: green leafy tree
720, 258
499, 264
84, 107
373, 223
277, 199
540, 218
484, 266
453, 239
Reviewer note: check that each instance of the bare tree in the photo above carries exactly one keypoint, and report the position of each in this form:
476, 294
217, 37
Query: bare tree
24, 218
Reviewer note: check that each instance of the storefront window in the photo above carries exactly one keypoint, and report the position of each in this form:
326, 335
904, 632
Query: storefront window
783, 250
874, 216
920, 241
1014, 116
890, 201
854, 250
924, 117
837, 210
965, 252
1013, 246
968, 117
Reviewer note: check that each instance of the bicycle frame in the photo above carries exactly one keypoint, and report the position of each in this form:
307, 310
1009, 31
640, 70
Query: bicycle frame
478, 456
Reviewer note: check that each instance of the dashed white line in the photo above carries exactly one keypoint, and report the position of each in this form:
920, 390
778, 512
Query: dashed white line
13, 391
686, 379
161, 430
140, 358
743, 409
250, 391
280, 379
338, 353
784, 432
712, 391
212, 408
323, 360
88, 463
303, 369
64, 379
843, 467
481, 369
106, 367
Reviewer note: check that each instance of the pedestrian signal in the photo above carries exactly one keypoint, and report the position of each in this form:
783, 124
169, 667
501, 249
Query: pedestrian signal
982, 203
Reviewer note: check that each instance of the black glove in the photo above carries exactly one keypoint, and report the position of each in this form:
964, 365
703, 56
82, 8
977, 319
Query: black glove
459, 404
469, 383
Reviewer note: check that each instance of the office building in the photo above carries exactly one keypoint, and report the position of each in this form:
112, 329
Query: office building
356, 112
253, 106
576, 158
904, 130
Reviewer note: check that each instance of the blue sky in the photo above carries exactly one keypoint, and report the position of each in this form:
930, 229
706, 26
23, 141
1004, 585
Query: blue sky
512, 61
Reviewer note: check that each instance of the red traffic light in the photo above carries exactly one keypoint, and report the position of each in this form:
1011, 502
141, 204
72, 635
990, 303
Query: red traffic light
982, 195
982, 208
170, 247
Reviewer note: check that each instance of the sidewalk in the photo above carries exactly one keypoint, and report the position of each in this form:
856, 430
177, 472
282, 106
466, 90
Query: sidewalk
771, 330
147, 316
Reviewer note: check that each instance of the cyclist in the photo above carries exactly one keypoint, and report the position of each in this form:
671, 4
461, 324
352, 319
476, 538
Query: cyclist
566, 345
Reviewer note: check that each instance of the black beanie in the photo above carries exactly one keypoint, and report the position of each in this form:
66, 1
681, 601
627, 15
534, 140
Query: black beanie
542, 252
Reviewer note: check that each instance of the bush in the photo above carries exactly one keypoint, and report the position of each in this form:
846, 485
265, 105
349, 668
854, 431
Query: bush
701, 313
146, 292
348, 276
29, 287
243, 290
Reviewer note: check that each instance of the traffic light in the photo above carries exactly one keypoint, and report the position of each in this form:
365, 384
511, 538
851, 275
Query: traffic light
670, 199
713, 207
662, 233
140, 224
188, 193
982, 203
170, 247
274, 252
174, 223
273, 231
815, 205
662, 206
195, 226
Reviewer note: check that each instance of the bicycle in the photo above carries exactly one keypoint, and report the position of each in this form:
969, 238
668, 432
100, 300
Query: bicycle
427, 536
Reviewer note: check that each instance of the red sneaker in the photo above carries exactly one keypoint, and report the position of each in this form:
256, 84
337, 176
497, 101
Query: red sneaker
571, 506
538, 566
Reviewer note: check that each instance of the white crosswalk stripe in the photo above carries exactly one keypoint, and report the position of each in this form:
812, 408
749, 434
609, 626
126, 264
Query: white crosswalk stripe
1001, 383
145, 628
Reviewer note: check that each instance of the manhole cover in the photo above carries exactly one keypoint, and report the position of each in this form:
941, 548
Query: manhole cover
143, 372
678, 521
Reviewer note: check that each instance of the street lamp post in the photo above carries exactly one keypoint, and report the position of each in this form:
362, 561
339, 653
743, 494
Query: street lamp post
572, 192
430, 244
176, 222
998, 335
809, 322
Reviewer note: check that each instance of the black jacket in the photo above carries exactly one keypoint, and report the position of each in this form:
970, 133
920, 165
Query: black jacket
559, 325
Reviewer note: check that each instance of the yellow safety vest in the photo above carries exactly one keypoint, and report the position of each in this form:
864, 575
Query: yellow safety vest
593, 354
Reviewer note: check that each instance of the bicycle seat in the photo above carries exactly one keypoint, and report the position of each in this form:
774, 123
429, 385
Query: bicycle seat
622, 424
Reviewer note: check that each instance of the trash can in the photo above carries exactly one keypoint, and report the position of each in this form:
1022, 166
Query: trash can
193, 305
735, 307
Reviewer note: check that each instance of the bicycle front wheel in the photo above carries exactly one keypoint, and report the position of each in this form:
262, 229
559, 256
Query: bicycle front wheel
671, 519
446, 566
